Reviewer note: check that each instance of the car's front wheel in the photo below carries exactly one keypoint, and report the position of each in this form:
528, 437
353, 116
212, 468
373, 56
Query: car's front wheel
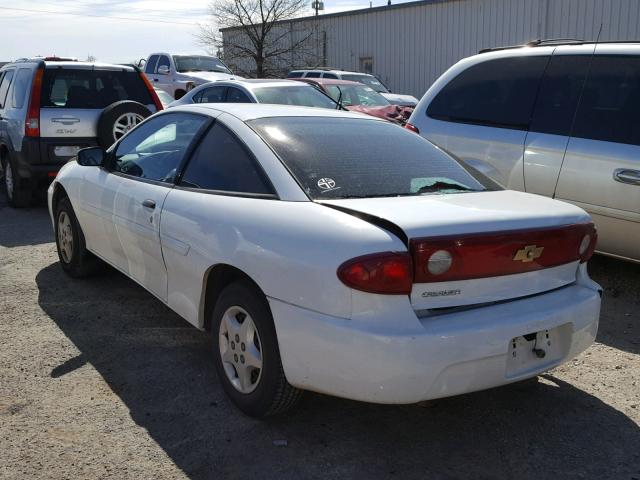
74, 257
246, 352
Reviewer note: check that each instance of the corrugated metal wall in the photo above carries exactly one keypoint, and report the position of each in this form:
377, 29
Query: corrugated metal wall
412, 44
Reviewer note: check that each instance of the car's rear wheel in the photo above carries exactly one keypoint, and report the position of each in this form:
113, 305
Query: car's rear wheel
246, 353
74, 257
17, 195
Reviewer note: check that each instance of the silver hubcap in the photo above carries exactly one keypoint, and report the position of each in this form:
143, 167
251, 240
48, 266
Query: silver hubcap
65, 237
124, 123
240, 349
8, 180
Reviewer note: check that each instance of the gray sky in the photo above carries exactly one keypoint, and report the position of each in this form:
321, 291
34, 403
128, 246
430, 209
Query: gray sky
111, 30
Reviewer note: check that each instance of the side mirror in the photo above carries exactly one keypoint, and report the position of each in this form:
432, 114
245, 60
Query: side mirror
91, 157
163, 70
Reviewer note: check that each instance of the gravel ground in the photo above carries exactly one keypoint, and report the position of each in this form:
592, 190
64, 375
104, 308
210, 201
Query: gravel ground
99, 380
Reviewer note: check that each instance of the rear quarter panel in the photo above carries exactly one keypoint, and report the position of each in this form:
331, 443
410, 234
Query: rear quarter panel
290, 249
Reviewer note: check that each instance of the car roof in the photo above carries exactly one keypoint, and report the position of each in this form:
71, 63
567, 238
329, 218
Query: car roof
252, 111
252, 83
329, 81
72, 64
331, 70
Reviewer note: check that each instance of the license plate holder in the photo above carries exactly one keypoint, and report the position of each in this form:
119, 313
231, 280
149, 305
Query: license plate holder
537, 351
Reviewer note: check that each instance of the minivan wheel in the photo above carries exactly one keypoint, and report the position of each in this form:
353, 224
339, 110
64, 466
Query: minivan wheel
246, 354
74, 257
17, 195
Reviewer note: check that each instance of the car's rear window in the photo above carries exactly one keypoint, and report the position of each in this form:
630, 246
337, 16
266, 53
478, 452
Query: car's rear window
357, 158
303, 95
368, 80
77, 88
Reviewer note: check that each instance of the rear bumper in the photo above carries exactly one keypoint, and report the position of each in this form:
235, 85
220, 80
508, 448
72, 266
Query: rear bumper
37, 162
446, 355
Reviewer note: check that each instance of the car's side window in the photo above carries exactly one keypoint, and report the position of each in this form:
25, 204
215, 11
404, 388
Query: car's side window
330, 75
313, 75
210, 95
150, 67
559, 94
235, 95
163, 61
610, 102
4, 87
495, 93
222, 163
154, 150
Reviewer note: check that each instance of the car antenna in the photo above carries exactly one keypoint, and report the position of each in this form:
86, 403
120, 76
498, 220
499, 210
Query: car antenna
575, 113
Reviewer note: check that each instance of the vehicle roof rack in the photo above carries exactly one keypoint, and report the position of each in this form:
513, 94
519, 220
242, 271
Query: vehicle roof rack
553, 42
537, 43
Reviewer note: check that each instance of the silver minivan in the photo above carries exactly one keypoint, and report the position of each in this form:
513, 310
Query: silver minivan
51, 107
559, 119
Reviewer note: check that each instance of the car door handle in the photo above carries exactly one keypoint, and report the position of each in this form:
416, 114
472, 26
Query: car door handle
148, 203
626, 175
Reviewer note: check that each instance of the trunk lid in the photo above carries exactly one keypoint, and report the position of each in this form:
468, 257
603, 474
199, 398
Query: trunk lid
522, 220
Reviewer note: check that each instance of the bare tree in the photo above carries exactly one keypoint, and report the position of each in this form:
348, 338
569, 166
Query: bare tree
258, 33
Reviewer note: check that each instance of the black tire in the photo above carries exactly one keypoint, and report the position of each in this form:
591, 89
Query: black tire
81, 262
272, 394
18, 195
114, 112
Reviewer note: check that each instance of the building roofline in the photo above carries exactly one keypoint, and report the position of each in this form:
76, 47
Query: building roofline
354, 12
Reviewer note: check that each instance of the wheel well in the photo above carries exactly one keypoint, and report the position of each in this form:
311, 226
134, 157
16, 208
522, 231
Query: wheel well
4, 154
58, 194
179, 93
216, 280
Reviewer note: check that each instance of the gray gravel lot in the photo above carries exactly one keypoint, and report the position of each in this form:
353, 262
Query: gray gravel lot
99, 380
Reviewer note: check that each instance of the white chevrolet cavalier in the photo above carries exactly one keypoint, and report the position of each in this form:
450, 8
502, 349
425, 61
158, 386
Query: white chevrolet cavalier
333, 252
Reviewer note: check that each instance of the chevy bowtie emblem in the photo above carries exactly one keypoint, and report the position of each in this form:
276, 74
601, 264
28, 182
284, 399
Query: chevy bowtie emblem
528, 253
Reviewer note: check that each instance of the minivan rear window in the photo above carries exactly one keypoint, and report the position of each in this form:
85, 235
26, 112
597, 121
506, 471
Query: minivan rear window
334, 157
495, 93
77, 88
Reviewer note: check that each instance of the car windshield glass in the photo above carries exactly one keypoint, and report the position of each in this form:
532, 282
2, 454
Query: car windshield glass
197, 63
77, 88
304, 96
357, 95
368, 80
357, 158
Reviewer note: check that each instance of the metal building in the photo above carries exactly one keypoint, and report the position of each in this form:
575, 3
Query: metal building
409, 45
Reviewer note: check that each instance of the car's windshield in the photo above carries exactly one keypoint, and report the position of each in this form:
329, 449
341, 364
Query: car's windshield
303, 95
358, 158
368, 80
199, 63
356, 95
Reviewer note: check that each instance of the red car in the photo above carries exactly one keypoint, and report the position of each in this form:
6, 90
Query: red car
358, 97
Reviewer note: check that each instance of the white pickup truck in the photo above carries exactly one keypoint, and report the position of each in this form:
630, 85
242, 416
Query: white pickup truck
177, 74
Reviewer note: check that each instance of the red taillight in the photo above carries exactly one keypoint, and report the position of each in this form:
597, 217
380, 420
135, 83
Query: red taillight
152, 92
52, 174
413, 128
468, 256
387, 273
32, 125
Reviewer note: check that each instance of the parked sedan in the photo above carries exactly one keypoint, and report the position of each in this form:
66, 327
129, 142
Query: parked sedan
357, 97
267, 226
279, 92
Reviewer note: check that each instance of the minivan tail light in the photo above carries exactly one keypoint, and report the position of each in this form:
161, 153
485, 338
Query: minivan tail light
152, 91
389, 273
411, 127
468, 256
32, 124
